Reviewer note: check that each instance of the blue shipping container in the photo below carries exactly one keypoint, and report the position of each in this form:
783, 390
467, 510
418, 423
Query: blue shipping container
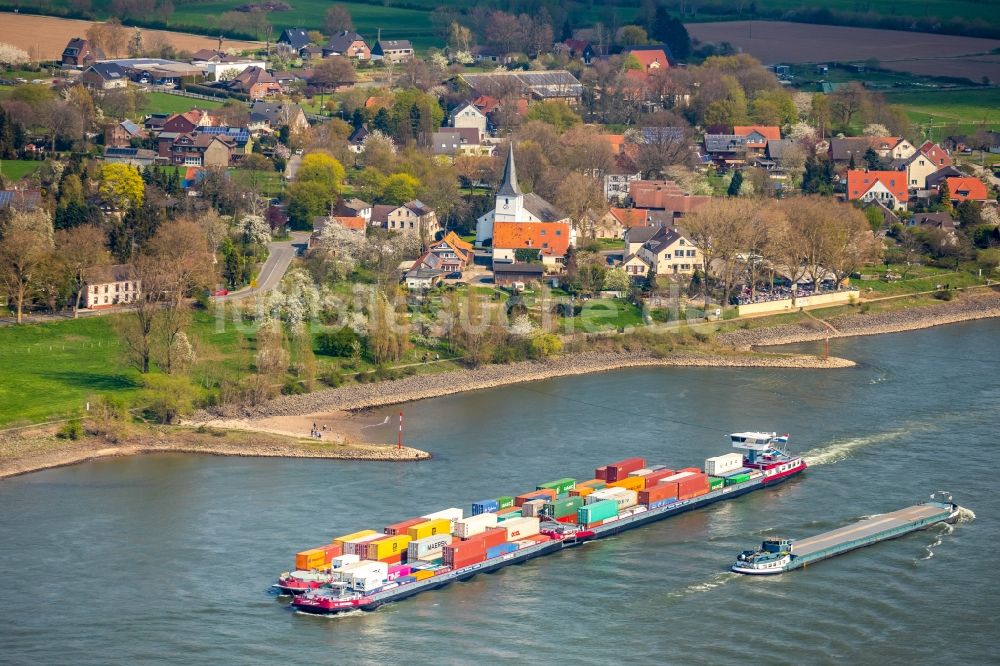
403, 580
485, 506
502, 549
663, 502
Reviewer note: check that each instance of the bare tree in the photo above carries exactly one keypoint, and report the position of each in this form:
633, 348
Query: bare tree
82, 249
337, 19
25, 245
715, 230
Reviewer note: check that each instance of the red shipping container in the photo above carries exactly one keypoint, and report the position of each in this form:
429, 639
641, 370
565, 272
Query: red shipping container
620, 469
657, 493
490, 538
695, 470
468, 561
394, 559
601, 473
400, 528
654, 478
548, 492
692, 486
567, 519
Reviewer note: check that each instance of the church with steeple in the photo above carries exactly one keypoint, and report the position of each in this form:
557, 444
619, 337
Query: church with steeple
531, 213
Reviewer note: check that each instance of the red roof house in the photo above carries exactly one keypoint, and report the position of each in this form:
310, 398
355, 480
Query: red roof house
887, 187
967, 189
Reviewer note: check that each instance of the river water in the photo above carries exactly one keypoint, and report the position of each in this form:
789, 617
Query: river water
168, 558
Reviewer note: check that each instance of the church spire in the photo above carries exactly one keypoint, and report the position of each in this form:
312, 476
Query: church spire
509, 185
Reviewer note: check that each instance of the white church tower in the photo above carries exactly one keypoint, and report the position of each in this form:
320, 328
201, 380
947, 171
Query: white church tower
510, 199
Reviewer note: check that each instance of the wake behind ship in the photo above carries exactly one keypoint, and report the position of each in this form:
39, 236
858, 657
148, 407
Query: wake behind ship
366, 569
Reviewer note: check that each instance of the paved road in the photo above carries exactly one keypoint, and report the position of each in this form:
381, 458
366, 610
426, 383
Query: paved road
279, 257
292, 167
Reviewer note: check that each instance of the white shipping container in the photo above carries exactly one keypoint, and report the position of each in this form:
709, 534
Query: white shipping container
625, 499
531, 508
368, 569
519, 528
344, 573
451, 514
718, 465
343, 560
607, 493
353, 547
368, 583
641, 472
676, 477
473, 525
432, 555
422, 547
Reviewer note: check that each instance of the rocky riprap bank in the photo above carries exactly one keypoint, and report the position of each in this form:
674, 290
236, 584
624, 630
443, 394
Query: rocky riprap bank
967, 307
417, 387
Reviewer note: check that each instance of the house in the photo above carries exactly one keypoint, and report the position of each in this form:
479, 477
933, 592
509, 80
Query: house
154, 122
413, 218
468, 116
967, 188
777, 148
307, 53
550, 239
201, 149
726, 149
942, 221
355, 208
888, 187
392, 50
917, 167
757, 136
936, 154
22, 200
454, 254
349, 45
319, 224
108, 286
425, 273
579, 49
356, 142
122, 134
242, 142
542, 85
256, 83
619, 178
667, 252
453, 141
79, 53
892, 147
509, 275
293, 39
652, 60
514, 206
104, 76
380, 215
272, 116
637, 266
228, 68
844, 149
139, 157
617, 221
182, 123
650, 193
935, 179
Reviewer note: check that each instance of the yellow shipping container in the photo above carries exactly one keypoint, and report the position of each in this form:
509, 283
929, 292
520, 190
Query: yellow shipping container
422, 574
388, 547
631, 483
351, 537
581, 491
430, 528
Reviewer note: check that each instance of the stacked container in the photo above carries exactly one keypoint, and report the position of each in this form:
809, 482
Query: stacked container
687, 484
714, 483
532, 507
400, 528
430, 528
428, 548
368, 576
450, 515
342, 561
473, 525
507, 514
658, 495
342, 540
387, 549
720, 465
564, 510
593, 514
624, 497
357, 546
485, 506
629, 483
739, 477
620, 469
520, 528
505, 502
317, 558
656, 476
561, 486
544, 494
502, 549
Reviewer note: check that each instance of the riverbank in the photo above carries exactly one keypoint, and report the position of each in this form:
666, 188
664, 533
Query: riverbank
968, 306
35, 450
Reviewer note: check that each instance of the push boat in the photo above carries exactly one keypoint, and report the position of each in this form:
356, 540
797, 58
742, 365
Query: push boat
778, 555
763, 462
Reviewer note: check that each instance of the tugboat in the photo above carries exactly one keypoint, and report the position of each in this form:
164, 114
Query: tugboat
773, 557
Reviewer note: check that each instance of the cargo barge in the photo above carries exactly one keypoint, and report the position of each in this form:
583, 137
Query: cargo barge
363, 570
779, 555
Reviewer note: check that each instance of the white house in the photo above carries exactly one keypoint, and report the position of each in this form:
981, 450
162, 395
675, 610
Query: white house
468, 115
109, 286
226, 70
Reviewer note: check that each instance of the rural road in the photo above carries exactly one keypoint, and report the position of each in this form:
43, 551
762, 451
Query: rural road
292, 167
279, 257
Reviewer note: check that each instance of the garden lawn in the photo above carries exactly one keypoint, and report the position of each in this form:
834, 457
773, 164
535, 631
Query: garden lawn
944, 111
18, 169
603, 314
164, 102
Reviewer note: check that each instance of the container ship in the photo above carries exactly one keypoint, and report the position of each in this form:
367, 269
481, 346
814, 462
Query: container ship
778, 555
365, 569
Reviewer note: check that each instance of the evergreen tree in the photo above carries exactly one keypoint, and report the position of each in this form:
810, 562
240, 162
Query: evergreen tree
358, 118
414, 121
944, 196
671, 31
818, 176
735, 184
381, 122
872, 159
853, 163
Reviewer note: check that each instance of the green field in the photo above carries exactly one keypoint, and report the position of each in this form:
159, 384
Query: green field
942, 112
18, 169
163, 102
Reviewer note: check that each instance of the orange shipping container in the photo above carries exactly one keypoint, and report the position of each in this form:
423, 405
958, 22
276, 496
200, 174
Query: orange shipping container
422, 574
510, 509
317, 558
548, 492
695, 470
581, 491
630, 483
692, 486
657, 493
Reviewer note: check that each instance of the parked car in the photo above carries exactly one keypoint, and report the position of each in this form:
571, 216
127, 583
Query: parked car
457, 275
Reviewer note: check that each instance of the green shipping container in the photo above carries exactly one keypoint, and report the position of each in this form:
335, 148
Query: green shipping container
714, 483
737, 478
602, 510
508, 516
561, 486
505, 502
563, 507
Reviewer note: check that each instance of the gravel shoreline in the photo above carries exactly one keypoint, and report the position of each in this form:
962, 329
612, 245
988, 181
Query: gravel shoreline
966, 307
419, 387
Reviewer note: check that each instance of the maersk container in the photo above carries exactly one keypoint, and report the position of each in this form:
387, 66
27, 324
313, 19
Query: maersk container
559, 485
737, 478
505, 502
485, 506
473, 525
502, 549
592, 513
719, 465
421, 548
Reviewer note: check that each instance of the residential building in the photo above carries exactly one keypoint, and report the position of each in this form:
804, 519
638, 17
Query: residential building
935, 179
888, 187
550, 239
892, 147
514, 206
19, 199
651, 193
967, 188
293, 39
619, 178
109, 286
511, 274
757, 136
579, 49
917, 167
228, 68
936, 154
413, 218
319, 224
942, 221
454, 141
356, 142
844, 149
380, 215
726, 149
139, 157
663, 250
349, 45
242, 142
104, 76
355, 208
617, 221
310, 53
392, 50
79, 53
468, 116
425, 273
200, 149
256, 83
270, 116
637, 266
453, 253
651, 59
122, 134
